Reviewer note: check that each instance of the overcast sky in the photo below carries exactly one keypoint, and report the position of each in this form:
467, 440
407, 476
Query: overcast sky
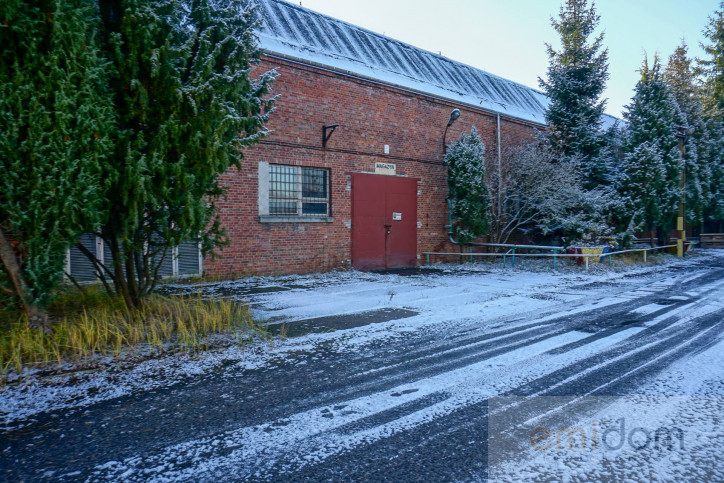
507, 37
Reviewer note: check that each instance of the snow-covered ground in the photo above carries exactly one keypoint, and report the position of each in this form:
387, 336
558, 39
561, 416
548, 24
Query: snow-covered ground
671, 429
468, 288
470, 334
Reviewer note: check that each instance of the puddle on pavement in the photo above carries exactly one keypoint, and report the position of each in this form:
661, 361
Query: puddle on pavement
338, 322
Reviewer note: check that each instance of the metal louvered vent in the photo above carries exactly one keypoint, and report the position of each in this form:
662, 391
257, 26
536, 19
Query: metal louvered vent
166, 268
108, 258
189, 259
179, 261
80, 267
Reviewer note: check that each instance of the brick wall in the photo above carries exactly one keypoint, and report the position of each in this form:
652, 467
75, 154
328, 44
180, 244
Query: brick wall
370, 116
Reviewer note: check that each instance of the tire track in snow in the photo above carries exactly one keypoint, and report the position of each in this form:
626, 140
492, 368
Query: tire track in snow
460, 398
448, 430
261, 443
427, 343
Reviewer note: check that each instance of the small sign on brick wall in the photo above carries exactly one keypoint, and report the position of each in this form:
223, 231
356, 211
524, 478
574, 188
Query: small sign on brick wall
386, 168
396, 216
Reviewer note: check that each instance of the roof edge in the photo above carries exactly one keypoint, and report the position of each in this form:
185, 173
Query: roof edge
355, 75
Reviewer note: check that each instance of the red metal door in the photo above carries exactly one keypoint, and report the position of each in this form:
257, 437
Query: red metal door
384, 222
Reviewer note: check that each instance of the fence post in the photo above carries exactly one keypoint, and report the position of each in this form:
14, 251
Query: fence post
586, 263
645, 252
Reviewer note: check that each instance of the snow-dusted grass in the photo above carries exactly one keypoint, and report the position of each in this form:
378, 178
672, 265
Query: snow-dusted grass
93, 326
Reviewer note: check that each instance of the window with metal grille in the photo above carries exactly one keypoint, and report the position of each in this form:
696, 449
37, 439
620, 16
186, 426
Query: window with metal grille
298, 191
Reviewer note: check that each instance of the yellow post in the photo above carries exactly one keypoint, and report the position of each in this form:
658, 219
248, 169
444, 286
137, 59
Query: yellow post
682, 236
682, 135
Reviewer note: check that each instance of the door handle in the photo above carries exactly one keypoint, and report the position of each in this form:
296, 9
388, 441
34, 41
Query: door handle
387, 229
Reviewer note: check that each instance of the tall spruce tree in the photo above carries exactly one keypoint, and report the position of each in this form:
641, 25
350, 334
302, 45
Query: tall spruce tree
712, 66
642, 180
714, 210
468, 192
680, 76
55, 120
187, 104
576, 78
711, 69
652, 166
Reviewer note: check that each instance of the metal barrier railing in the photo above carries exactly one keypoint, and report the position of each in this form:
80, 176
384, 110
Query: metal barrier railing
555, 256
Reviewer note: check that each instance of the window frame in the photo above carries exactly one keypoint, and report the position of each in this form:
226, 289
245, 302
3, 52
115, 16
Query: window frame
267, 199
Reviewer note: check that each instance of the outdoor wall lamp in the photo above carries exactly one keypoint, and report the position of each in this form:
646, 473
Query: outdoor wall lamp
327, 133
453, 117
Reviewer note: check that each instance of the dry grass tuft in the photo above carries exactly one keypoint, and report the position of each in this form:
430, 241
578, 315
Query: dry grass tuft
93, 324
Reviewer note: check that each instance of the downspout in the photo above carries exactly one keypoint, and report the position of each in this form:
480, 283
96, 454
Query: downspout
449, 225
453, 116
500, 172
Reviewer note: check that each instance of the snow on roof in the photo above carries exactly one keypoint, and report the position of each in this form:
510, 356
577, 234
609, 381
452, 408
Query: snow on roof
298, 33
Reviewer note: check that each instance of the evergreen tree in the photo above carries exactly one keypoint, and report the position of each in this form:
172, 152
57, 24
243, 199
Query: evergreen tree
468, 193
680, 76
55, 120
187, 105
712, 71
714, 211
577, 76
653, 118
713, 66
642, 180
610, 156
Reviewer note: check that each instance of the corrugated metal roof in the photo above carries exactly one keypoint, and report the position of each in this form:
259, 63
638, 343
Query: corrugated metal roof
296, 32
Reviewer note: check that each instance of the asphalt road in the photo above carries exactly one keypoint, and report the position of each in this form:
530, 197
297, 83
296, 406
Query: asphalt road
411, 407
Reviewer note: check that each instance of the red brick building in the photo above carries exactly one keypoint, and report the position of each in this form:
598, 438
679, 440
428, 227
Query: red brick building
352, 173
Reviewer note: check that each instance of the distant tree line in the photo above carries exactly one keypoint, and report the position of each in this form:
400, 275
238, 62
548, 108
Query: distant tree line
584, 183
116, 118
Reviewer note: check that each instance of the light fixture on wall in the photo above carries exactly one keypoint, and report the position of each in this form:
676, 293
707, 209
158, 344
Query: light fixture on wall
453, 117
327, 133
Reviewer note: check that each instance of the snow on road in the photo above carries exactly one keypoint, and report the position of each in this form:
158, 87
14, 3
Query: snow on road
441, 300
671, 429
478, 334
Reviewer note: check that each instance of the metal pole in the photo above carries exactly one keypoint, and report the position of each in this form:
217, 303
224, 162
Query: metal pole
682, 194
